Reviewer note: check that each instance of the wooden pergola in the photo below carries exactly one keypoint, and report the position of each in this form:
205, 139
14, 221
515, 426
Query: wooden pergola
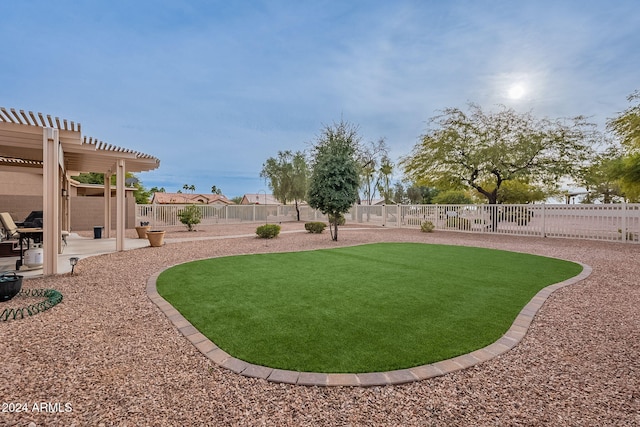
35, 143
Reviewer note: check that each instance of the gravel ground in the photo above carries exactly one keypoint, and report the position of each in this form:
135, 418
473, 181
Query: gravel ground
113, 358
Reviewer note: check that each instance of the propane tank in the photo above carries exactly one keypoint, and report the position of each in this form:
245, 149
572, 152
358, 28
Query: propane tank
34, 257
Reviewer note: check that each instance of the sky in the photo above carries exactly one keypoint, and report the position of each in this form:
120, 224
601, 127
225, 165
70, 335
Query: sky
215, 88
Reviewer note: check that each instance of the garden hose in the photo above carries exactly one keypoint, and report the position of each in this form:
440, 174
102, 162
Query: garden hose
53, 297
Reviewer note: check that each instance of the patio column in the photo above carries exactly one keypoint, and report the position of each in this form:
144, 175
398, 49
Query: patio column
120, 205
107, 204
66, 221
52, 158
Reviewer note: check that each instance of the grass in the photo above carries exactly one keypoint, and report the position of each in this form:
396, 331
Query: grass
368, 308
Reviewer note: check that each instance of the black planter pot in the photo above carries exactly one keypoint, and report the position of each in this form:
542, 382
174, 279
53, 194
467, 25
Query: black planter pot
10, 285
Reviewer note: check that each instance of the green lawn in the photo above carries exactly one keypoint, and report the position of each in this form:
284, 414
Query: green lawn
366, 308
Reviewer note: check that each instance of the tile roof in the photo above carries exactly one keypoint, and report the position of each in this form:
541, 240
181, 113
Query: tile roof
186, 198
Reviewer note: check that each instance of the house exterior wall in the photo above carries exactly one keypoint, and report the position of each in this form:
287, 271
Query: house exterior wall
25, 184
86, 212
21, 193
20, 206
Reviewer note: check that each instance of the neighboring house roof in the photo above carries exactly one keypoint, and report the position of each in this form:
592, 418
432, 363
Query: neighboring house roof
259, 199
185, 199
374, 202
84, 189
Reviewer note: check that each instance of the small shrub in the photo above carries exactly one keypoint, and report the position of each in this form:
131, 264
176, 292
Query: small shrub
268, 231
427, 227
190, 216
315, 227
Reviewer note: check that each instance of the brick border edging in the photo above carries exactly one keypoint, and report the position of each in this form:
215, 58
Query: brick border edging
218, 356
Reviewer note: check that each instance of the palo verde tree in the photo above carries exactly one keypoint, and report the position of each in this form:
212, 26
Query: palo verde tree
286, 176
482, 150
334, 182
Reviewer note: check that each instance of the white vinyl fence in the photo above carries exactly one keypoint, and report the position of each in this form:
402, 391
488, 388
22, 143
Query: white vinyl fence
167, 215
611, 222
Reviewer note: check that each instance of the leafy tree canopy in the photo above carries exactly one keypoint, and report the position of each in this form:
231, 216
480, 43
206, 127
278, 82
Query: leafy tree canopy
520, 192
601, 177
476, 149
626, 126
453, 197
334, 182
421, 195
286, 176
141, 194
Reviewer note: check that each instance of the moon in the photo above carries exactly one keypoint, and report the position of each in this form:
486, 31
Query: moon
516, 91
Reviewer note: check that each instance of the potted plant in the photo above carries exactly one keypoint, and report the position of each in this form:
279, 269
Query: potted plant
142, 229
156, 237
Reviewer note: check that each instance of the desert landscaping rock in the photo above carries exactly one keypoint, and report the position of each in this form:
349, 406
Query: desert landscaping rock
113, 355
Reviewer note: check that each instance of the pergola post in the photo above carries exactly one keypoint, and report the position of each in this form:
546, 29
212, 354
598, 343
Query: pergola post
52, 159
107, 204
66, 204
120, 205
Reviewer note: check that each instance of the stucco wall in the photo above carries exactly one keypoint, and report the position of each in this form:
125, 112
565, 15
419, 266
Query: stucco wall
86, 212
20, 206
26, 184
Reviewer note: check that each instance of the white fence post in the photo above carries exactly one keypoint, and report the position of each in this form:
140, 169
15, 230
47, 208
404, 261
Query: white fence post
384, 215
624, 221
544, 221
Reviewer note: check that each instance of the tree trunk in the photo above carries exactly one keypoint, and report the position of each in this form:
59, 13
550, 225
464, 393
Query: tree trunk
297, 210
333, 229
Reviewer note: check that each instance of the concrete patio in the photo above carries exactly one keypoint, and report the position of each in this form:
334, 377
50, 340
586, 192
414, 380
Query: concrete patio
77, 246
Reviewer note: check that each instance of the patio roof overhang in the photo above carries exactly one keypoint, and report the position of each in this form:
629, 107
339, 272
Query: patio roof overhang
33, 142
21, 138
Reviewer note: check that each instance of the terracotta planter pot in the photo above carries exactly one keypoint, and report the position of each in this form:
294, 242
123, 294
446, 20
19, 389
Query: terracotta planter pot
156, 237
142, 231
